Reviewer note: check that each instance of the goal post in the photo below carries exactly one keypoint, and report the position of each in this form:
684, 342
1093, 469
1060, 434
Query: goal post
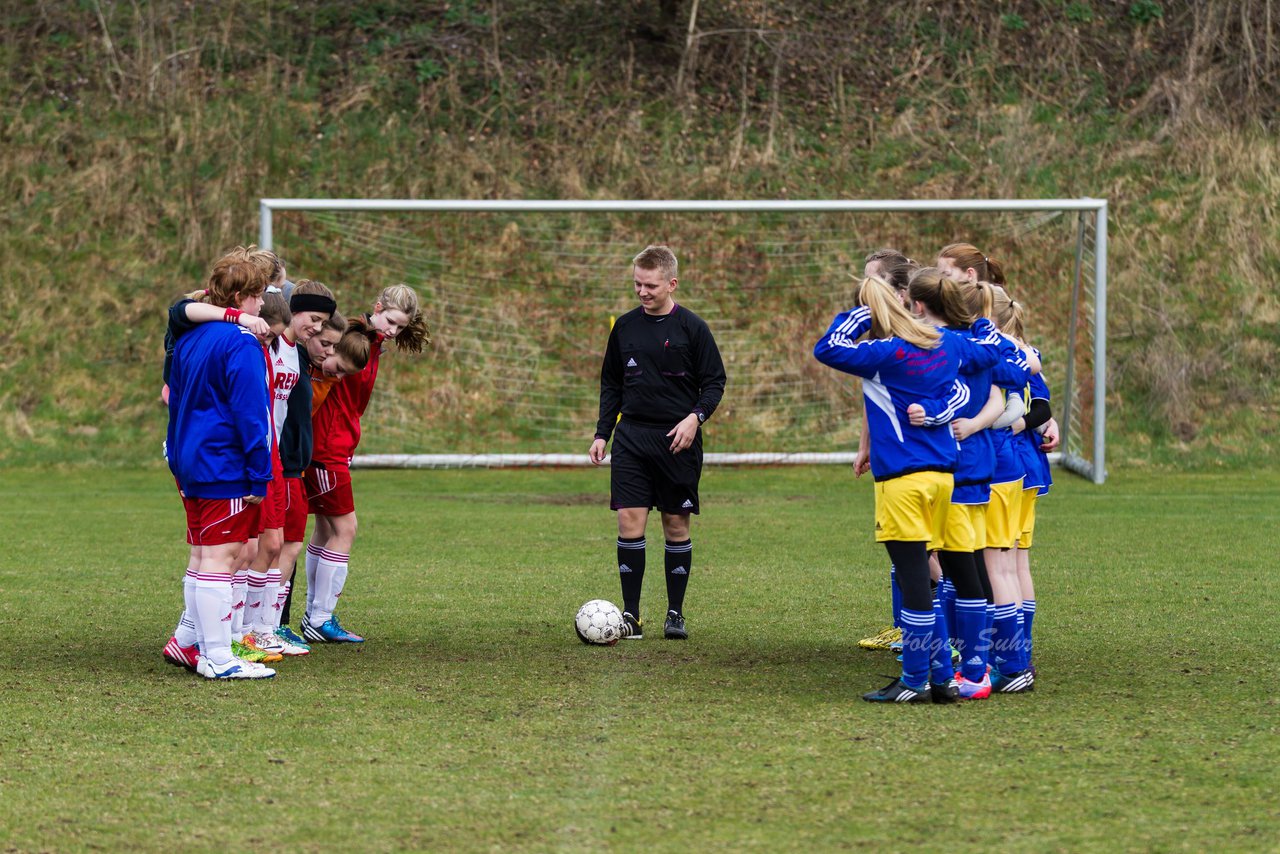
793, 258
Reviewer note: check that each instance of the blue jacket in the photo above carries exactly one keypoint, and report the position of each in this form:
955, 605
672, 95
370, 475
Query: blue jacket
1035, 462
896, 374
219, 439
977, 459
1011, 376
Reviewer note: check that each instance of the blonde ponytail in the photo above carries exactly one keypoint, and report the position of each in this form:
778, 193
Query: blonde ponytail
890, 320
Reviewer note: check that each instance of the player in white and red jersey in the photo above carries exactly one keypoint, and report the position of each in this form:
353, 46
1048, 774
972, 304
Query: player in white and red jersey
336, 425
313, 307
262, 574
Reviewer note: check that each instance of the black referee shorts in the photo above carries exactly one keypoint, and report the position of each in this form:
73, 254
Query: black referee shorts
644, 472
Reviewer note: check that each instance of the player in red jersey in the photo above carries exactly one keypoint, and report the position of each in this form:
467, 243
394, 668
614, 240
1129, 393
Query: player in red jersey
308, 298
336, 426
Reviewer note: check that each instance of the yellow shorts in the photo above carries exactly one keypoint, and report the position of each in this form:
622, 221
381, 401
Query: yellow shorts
978, 513
913, 508
961, 534
1028, 525
1004, 515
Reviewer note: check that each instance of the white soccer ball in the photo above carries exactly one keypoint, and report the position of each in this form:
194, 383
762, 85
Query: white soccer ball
598, 622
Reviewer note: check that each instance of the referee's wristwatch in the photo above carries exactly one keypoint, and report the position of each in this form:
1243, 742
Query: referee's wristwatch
702, 416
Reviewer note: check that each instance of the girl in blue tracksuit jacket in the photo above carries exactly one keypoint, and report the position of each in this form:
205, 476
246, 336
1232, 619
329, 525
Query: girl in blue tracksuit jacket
902, 362
962, 593
1010, 672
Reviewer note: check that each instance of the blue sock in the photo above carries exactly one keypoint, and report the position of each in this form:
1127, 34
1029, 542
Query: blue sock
940, 649
896, 592
1024, 654
1008, 639
1028, 617
917, 639
975, 642
947, 593
990, 632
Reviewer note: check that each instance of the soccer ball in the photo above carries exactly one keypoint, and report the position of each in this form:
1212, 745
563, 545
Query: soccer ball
598, 622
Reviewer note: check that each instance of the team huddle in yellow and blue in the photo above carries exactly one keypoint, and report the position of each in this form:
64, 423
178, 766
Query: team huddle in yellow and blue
957, 426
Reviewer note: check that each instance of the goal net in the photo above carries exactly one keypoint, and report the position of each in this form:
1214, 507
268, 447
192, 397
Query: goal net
520, 297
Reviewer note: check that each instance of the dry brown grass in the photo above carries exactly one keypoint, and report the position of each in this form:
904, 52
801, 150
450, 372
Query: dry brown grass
138, 138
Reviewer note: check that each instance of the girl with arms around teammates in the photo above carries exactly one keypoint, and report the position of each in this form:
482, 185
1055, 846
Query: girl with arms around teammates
940, 301
902, 361
215, 303
397, 316
265, 545
310, 306
309, 299
219, 449
1010, 672
1036, 479
895, 268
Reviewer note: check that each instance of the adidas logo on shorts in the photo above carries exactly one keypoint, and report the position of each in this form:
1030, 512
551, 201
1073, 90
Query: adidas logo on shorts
686, 505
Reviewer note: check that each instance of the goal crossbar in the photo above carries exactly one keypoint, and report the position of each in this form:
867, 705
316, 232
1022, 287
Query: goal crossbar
1091, 468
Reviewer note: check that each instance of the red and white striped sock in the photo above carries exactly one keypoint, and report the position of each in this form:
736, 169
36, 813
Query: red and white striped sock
269, 619
186, 633
255, 597
280, 600
239, 590
313, 563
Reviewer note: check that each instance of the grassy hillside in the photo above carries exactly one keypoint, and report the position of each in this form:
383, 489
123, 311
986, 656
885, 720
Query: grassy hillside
137, 139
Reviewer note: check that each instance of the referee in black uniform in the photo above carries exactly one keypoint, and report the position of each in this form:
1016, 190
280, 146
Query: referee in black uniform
662, 371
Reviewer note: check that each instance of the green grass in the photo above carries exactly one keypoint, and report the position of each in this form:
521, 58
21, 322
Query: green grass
473, 720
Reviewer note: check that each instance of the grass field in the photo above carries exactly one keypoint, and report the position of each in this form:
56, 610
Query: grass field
473, 720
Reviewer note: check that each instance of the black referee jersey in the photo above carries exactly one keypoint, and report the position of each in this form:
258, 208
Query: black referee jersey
659, 369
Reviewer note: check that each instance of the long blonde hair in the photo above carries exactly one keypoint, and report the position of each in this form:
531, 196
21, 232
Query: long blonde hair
890, 320
415, 335
1004, 311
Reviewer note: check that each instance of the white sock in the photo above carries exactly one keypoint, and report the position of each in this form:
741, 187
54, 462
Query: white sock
239, 590
339, 581
213, 616
280, 600
186, 633
269, 619
313, 563
254, 599
331, 574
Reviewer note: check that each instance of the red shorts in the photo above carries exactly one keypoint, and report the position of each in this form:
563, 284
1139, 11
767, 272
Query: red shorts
217, 521
276, 502
329, 491
295, 514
